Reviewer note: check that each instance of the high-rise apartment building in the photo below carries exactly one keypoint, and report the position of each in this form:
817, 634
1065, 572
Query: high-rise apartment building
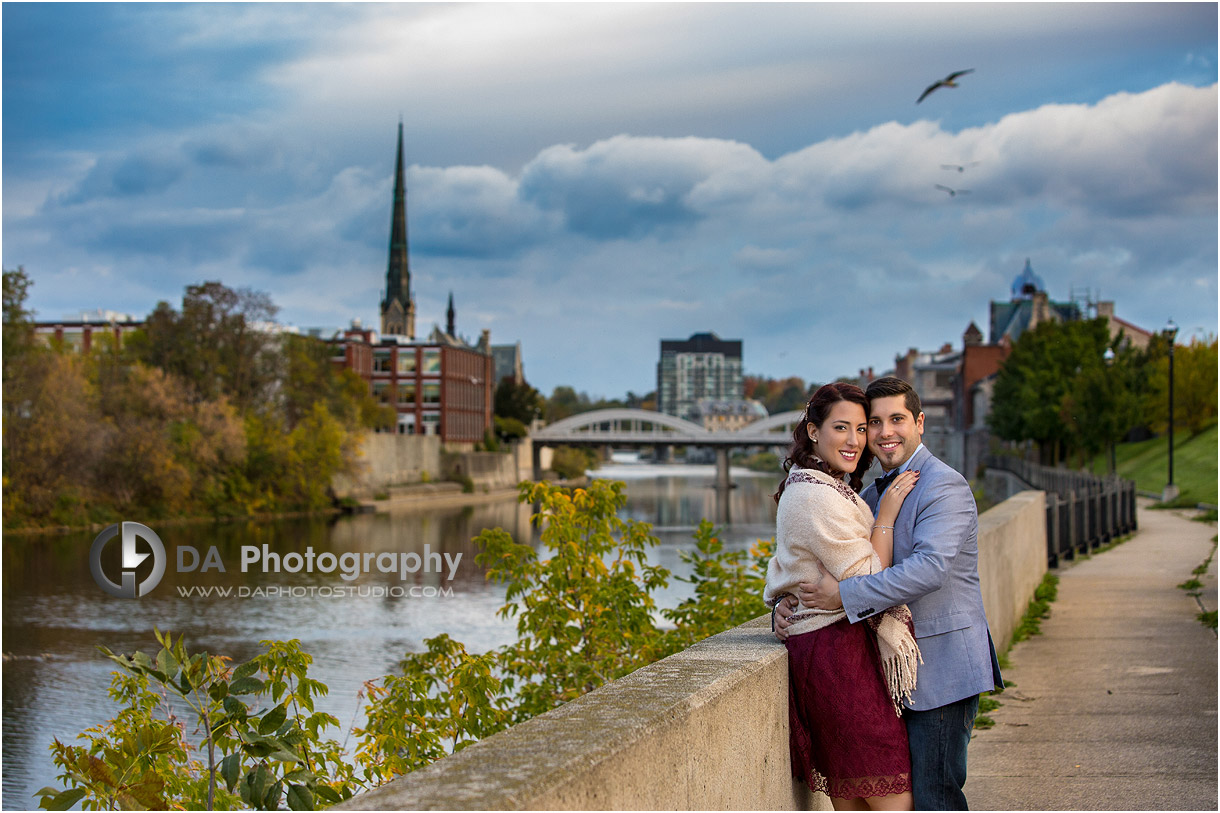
703, 366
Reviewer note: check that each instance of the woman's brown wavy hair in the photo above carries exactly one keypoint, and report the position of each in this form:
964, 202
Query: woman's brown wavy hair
802, 450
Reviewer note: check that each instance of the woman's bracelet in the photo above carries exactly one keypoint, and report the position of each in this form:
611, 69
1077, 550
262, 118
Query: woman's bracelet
884, 527
775, 607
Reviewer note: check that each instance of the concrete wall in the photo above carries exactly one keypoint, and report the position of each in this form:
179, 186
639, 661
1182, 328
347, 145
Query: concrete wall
1012, 560
706, 728
999, 485
488, 470
388, 459
523, 452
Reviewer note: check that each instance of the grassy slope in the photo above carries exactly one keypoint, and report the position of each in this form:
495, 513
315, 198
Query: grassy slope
1147, 462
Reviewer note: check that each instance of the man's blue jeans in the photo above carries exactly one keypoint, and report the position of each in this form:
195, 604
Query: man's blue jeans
938, 740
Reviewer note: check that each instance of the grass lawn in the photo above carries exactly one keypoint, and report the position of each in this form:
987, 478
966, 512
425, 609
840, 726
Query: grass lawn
1147, 463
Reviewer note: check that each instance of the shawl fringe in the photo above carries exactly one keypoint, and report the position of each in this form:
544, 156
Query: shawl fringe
900, 654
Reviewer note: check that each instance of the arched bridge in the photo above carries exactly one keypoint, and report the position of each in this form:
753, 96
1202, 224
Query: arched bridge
640, 428
628, 427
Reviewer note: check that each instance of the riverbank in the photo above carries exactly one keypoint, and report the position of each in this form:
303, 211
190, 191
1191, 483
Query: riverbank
418, 497
427, 496
174, 521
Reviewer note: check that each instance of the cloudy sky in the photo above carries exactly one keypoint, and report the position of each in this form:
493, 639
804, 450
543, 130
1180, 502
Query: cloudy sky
590, 179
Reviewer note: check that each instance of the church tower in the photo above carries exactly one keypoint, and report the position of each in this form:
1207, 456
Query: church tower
398, 308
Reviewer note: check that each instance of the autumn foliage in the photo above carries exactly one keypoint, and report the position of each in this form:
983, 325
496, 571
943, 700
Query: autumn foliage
203, 412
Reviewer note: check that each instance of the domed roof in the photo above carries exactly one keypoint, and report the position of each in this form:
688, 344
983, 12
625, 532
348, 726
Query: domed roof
1027, 283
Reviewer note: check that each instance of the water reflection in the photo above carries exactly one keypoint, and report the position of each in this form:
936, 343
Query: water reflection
55, 616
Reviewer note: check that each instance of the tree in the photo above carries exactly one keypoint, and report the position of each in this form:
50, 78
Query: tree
1194, 386
1105, 401
1053, 389
585, 614
219, 343
509, 429
565, 402
262, 739
570, 462
140, 412
777, 395
520, 402
51, 442
18, 328
307, 377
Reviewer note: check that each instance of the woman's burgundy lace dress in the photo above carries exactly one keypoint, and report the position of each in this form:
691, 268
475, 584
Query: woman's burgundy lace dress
846, 739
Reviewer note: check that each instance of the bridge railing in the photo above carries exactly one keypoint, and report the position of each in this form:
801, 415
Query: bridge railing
643, 426
1083, 511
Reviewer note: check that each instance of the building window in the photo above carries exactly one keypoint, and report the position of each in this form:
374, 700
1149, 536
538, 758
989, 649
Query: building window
432, 392
381, 361
406, 361
383, 392
432, 360
406, 392
432, 423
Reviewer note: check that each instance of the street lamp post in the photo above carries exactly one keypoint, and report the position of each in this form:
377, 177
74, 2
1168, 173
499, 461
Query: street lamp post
1108, 357
1170, 332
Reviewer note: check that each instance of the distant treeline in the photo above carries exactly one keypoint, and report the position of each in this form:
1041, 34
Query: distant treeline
202, 412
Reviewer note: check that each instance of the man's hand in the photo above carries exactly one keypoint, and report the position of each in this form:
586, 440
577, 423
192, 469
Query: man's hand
785, 608
822, 594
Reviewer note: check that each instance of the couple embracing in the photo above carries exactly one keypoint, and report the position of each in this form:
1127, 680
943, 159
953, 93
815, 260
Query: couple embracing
876, 595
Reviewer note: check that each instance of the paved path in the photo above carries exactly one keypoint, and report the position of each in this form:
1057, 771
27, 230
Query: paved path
1114, 706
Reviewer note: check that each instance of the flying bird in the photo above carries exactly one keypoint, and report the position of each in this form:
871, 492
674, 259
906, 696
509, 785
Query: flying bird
953, 193
947, 82
959, 167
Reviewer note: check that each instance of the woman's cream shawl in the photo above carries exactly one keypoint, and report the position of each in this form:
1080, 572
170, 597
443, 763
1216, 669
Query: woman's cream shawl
820, 519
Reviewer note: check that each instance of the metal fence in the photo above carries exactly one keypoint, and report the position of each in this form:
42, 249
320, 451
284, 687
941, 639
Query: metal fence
1083, 512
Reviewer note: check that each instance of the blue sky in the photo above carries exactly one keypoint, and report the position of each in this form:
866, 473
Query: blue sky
589, 179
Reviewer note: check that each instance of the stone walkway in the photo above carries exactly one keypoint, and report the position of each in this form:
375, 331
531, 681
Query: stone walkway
1114, 706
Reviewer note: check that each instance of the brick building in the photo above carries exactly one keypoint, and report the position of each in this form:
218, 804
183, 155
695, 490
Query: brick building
438, 387
81, 332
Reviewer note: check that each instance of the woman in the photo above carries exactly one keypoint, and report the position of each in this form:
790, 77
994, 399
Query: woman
846, 681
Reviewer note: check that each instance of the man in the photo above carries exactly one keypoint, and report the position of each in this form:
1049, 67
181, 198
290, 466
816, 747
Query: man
935, 573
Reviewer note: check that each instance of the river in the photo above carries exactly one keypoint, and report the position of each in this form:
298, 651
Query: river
55, 616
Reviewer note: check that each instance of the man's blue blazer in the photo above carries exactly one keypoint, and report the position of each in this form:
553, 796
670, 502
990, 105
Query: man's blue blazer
936, 574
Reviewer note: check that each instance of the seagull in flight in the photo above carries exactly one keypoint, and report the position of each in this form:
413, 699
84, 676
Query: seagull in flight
953, 193
947, 82
959, 167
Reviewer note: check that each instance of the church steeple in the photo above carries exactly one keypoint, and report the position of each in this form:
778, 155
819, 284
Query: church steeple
398, 308
451, 329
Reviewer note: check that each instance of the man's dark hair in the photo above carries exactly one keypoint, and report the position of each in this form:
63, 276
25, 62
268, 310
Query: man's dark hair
887, 386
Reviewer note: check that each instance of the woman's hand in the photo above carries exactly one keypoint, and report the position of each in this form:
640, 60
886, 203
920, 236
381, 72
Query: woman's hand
892, 499
786, 607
